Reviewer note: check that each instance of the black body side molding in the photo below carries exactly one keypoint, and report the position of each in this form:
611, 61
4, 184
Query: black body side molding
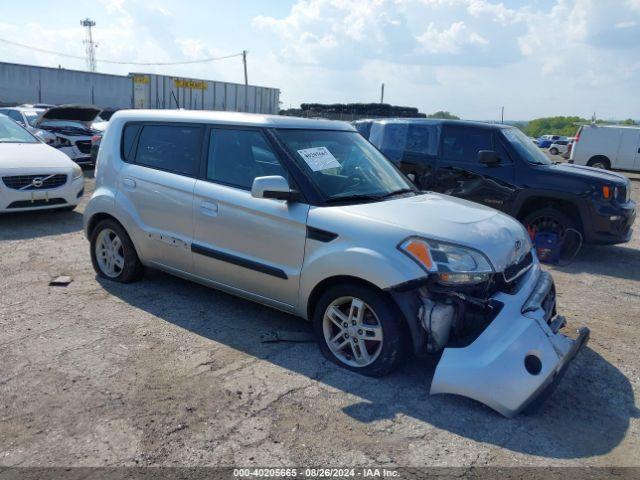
242, 262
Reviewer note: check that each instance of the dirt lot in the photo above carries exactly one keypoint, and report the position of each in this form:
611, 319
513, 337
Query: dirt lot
166, 372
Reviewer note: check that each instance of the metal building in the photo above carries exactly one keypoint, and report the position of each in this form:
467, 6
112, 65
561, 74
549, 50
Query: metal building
161, 91
30, 84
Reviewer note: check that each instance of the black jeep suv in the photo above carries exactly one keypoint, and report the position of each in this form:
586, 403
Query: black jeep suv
499, 166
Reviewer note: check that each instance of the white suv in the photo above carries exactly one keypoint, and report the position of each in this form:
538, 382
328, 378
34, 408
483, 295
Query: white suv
306, 216
34, 176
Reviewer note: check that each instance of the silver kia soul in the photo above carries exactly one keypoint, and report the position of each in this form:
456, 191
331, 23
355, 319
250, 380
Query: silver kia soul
308, 217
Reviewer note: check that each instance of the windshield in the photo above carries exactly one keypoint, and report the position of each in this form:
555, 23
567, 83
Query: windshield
344, 165
525, 147
11, 132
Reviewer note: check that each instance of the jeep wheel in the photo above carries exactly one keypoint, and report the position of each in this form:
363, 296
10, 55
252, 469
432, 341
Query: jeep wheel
549, 220
359, 329
112, 253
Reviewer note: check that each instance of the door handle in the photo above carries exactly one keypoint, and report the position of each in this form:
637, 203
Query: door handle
129, 183
209, 208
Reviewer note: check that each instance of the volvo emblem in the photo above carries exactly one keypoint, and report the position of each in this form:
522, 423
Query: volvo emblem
37, 182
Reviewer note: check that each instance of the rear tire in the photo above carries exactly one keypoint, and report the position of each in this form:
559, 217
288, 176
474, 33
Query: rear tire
553, 151
599, 162
360, 329
112, 253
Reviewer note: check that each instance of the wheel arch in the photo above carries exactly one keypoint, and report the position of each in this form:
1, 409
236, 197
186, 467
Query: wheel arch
537, 201
410, 326
98, 217
327, 283
601, 157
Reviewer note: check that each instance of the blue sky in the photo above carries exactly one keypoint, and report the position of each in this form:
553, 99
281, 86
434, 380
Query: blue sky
537, 57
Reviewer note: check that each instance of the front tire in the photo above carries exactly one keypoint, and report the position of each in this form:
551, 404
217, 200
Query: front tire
112, 253
549, 219
359, 328
553, 151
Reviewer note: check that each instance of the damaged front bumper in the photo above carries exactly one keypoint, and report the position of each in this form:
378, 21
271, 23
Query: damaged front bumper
517, 361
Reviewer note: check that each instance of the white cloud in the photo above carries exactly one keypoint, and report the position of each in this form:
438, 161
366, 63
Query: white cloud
571, 49
626, 24
450, 40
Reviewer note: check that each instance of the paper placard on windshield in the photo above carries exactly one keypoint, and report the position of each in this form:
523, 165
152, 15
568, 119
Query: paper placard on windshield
319, 158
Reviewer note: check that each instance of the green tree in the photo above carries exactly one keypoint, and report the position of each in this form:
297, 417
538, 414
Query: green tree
628, 121
566, 126
444, 115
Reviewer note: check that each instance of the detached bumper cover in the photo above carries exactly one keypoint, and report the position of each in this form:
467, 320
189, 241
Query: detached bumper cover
492, 369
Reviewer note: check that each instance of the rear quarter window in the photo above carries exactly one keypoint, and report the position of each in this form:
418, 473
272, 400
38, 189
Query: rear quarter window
129, 134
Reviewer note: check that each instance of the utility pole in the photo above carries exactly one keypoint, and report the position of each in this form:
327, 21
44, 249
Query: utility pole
246, 81
244, 61
382, 93
502, 116
90, 45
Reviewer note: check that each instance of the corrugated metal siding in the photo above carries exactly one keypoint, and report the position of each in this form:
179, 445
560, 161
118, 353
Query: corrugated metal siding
31, 84
160, 91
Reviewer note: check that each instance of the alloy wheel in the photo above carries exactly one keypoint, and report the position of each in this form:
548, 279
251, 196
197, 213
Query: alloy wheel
109, 253
352, 331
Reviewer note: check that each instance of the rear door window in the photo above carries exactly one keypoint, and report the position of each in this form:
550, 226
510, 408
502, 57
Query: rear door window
462, 144
174, 148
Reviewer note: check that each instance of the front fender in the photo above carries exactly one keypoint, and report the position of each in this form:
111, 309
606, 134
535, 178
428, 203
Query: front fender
325, 261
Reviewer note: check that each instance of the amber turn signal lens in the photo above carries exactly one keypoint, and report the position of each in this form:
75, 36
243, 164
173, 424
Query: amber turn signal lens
420, 251
606, 192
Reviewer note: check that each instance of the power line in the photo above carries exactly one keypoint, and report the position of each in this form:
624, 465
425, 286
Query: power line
119, 62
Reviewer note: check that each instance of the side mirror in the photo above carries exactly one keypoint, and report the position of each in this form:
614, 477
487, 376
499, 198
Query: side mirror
488, 158
275, 187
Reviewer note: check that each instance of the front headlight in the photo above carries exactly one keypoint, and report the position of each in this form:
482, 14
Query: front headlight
77, 172
62, 142
453, 264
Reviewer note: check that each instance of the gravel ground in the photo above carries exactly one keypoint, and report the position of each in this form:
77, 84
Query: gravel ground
167, 372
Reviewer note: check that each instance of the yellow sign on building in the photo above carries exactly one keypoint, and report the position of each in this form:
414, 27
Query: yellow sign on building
140, 79
195, 84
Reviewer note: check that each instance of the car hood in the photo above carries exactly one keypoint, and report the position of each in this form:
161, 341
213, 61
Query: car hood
588, 173
99, 126
500, 238
27, 157
80, 113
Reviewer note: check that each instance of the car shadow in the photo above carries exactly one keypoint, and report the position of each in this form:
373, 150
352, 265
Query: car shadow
39, 223
587, 415
612, 261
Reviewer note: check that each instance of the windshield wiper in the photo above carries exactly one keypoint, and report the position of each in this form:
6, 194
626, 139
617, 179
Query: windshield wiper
354, 198
397, 192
